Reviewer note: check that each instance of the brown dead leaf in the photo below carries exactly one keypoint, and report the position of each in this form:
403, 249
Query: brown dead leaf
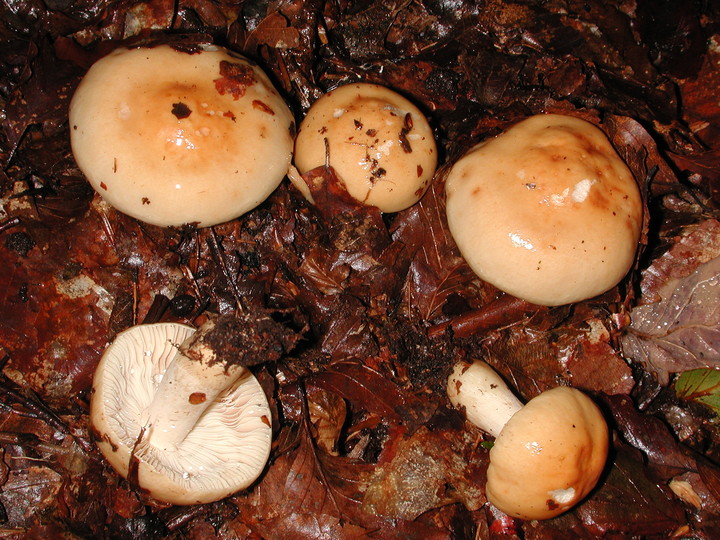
273, 31
327, 413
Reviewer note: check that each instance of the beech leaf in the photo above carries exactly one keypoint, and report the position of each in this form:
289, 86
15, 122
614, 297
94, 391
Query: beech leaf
701, 386
629, 500
681, 331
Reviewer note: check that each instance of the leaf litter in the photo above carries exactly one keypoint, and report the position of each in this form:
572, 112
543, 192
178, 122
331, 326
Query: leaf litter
365, 443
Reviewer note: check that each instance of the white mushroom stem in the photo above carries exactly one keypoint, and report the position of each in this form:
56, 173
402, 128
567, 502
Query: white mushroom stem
487, 400
193, 380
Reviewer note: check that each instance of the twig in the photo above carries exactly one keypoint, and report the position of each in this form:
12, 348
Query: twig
9, 224
219, 256
39, 411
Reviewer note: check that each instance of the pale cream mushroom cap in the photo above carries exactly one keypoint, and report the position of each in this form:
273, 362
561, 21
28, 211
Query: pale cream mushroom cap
546, 211
379, 144
172, 137
224, 453
549, 456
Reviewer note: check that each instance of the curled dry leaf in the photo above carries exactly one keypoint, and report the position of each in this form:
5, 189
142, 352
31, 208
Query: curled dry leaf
327, 413
437, 272
536, 360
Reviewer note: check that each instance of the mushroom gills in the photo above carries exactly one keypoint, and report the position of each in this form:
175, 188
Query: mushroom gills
191, 383
220, 448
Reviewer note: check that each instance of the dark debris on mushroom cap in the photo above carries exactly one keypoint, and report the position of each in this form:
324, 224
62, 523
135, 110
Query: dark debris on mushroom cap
247, 338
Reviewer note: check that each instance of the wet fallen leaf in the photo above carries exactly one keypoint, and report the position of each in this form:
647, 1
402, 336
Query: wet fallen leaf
681, 331
700, 385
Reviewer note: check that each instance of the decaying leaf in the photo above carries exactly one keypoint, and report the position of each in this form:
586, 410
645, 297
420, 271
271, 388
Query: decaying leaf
680, 330
429, 469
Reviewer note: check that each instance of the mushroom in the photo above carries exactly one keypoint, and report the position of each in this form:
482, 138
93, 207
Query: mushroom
547, 211
547, 456
177, 412
173, 137
378, 143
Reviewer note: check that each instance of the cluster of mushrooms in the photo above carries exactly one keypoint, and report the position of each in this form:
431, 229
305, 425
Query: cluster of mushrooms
174, 137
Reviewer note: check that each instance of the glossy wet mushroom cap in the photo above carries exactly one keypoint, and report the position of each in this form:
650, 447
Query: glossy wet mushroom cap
549, 456
172, 137
379, 144
546, 211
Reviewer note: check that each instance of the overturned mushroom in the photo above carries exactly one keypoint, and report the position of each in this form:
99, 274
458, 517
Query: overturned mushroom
177, 412
547, 456
547, 211
378, 143
172, 137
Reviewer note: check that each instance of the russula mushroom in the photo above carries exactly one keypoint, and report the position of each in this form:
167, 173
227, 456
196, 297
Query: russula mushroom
173, 137
379, 144
547, 211
547, 456
177, 412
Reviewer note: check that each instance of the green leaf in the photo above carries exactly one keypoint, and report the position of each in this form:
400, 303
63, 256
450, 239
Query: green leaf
700, 385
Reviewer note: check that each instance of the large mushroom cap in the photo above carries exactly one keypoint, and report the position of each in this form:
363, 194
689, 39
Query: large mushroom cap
172, 137
547, 211
379, 144
549, 455
224, 453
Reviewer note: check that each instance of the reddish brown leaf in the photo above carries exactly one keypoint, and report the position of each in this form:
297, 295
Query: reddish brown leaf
628, 500
366, 388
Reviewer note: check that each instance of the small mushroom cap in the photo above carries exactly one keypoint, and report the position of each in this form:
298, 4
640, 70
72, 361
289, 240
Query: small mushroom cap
379, 144
549, 456
546, 211
224, 453
172, 137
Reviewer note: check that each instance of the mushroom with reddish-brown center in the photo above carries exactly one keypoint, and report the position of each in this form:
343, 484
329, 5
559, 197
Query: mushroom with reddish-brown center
173, 137
546, 211
378, 143
547, 455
